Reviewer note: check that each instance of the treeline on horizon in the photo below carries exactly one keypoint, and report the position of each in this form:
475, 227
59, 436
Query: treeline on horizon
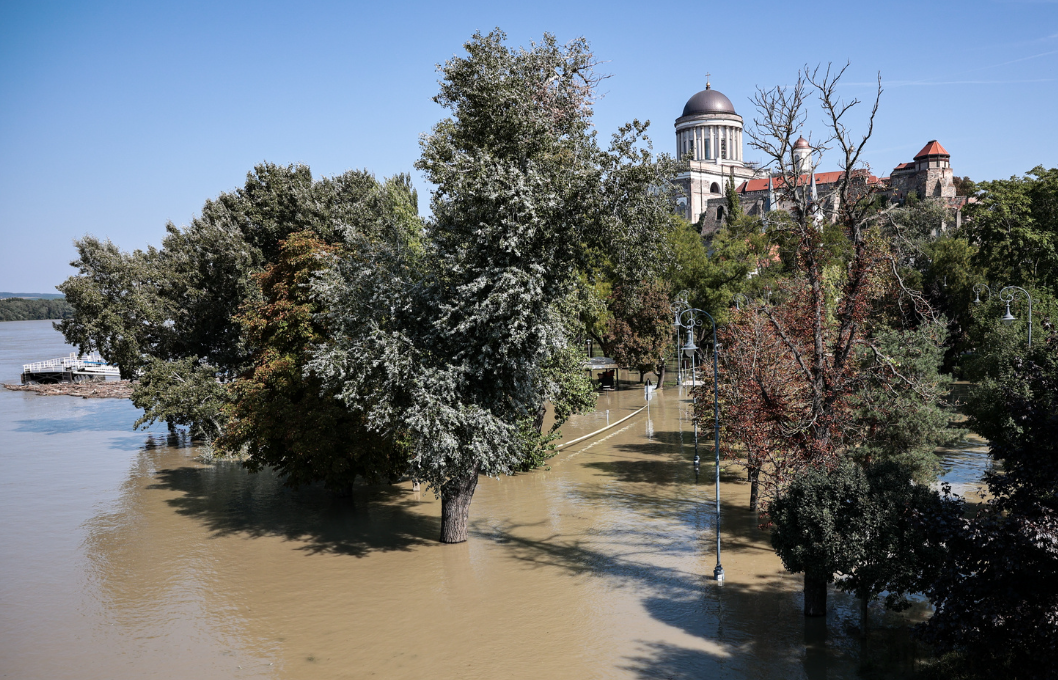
34, 309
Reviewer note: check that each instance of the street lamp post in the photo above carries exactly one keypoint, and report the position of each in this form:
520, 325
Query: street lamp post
1007, 295
693, 320
678, 305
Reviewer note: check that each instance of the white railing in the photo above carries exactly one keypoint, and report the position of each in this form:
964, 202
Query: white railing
93, 363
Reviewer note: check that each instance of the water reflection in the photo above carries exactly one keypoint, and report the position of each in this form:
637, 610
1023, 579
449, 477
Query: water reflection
964, 466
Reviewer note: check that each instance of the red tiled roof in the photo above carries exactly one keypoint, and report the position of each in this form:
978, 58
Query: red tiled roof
932, 148
903, 166
821, 178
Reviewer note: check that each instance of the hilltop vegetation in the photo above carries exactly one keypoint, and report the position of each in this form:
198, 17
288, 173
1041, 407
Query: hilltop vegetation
26, 309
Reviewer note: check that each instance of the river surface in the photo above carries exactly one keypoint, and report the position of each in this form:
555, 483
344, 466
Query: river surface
123, 556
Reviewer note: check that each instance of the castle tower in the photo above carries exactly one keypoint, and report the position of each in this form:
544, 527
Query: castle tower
802, 156
933, 171
929, 175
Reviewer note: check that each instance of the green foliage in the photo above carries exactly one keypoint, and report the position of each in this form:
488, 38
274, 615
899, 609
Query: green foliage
901, 552
996, 599
639, 330
452, 348
734, 204
1014, 225
861, 524
714, 272
906, 419
118, 309
181, 392
964, 186
279, 413
998, 373
820, 523
179, 304
28, 309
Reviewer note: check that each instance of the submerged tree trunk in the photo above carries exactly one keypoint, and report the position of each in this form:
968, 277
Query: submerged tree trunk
659, 371
815, 595
455, 506
538, 419
753, 475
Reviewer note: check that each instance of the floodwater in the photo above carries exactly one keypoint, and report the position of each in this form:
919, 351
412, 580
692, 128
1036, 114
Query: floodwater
125, 557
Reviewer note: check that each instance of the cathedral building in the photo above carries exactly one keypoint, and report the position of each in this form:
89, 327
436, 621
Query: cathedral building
709, 140
709, 137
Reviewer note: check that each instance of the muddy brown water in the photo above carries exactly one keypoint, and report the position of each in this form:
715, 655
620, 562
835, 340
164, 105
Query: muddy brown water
124, 557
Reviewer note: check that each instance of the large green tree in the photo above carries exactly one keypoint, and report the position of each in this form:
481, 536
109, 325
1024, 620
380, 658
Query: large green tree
167, 316
280, 414
525, 199
1014, 225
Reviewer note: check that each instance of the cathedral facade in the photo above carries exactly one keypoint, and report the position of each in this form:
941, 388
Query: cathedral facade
709, 139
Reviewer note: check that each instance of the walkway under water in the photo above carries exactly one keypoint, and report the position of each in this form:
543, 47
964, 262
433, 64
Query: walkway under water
124, 557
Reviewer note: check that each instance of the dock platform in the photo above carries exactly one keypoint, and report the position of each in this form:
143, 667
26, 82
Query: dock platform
72, 368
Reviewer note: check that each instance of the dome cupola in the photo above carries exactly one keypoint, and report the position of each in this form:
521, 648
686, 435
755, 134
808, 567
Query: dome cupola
707, 101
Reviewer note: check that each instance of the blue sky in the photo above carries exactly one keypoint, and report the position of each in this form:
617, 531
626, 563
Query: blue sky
116, 117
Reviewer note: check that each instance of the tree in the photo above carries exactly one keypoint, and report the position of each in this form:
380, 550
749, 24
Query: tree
178, 305
861, 524
639, 330
117, 306
1014, 226
996, 599
819, 528
24, 309
734, 205
281, 414
525, 200
902, 410
803, 368
964, 186
737, 258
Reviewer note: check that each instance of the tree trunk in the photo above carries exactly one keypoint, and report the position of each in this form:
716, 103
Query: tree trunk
538, 419
659, 371
455, 506
754, 486
815, 595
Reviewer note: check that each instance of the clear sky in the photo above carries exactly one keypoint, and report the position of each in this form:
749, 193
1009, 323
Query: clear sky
116, 117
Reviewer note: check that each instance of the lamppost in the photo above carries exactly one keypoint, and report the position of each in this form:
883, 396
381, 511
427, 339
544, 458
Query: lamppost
678, 305
693, 320
1007, 295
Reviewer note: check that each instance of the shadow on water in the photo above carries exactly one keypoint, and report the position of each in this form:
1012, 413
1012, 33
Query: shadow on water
230, 500
753, 628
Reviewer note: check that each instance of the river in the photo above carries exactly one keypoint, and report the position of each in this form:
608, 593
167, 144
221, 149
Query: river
126, 557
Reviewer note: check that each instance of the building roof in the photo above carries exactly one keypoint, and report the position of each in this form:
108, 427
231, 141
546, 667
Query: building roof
904, 166
708, 101
932, 148
777, 182
801, 143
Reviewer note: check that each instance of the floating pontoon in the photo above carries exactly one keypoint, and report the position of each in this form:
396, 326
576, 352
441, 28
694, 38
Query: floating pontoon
69, 369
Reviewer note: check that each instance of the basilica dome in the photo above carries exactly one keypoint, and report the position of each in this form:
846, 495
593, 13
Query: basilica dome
707, 101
